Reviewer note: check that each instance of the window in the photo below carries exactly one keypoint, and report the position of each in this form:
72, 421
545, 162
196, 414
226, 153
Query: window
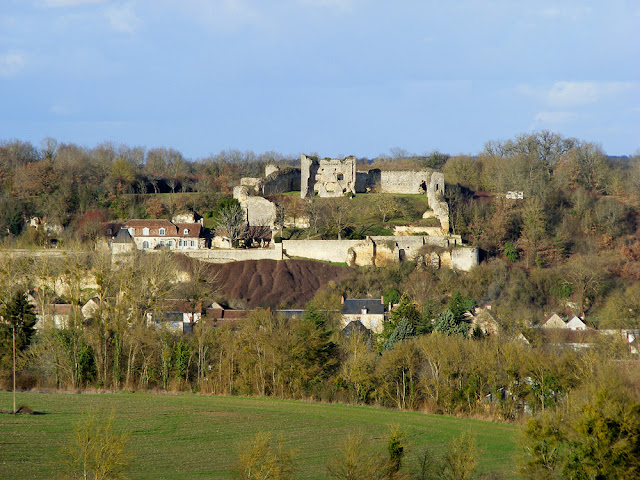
145, 245
179, 243
145, 231
162, 232
340, 177
193, 243
185, 231
162, 243
109, 232
170, 243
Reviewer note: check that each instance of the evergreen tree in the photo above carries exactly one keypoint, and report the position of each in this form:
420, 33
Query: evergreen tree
18, 313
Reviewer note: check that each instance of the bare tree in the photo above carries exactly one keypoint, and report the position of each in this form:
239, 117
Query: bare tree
231, 223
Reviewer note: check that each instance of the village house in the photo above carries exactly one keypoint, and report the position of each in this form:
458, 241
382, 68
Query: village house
369, 312
178, 315
576, 324
163, 234
55, 315
554, 321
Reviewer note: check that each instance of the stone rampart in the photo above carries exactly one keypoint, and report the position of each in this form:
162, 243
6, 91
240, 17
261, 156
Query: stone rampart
465, 258
326, 250
273, 252
405, 181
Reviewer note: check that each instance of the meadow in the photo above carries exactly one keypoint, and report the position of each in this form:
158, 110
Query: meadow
198, 436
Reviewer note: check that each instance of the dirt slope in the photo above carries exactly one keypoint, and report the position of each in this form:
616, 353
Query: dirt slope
270, 283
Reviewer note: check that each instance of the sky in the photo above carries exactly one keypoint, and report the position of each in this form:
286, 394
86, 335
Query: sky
333, 77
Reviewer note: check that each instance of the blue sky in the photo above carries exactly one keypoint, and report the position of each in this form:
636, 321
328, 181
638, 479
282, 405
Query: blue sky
336, 77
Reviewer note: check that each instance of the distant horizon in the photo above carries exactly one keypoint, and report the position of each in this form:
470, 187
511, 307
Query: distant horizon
338, 77
292, 155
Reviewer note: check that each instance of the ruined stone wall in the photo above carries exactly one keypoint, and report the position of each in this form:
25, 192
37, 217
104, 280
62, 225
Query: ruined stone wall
259, 211
404, 230
376, 251
326, 250
367, 181
250, 181
435, 196
405, 181
336, 178
274, 252
329, 177
308, 170
279, 181
465, 258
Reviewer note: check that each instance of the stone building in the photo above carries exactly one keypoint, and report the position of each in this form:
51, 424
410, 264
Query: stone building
329, 177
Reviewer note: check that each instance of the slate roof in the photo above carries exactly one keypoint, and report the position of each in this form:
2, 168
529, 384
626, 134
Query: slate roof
123, 237
354, 306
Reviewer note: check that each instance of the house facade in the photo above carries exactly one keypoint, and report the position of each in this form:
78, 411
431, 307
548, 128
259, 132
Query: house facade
369, 312
163, 234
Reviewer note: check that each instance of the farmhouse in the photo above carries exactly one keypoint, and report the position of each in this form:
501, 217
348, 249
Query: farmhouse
163, 234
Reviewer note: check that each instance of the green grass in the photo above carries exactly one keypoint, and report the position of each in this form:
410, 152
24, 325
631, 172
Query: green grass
197, 436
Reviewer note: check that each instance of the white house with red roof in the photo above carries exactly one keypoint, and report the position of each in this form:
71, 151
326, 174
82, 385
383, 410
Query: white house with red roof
159, 234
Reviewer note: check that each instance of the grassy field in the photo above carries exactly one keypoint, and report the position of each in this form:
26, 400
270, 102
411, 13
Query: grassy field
196, 436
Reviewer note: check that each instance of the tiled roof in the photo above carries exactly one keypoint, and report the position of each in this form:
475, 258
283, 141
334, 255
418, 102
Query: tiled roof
171, 229
56, 309
192, 229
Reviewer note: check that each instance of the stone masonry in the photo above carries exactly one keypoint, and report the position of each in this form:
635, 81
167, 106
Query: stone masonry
329, 177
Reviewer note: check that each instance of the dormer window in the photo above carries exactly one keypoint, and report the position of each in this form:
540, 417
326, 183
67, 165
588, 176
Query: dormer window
132, 231
109, 232
145, 231
185, 231
162, 232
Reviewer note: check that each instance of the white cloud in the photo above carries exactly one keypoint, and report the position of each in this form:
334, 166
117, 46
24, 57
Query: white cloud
554, 118
70, 3
583, 93
222, 15
571, 12
575, 94
123, 18
343, 5
11, 63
